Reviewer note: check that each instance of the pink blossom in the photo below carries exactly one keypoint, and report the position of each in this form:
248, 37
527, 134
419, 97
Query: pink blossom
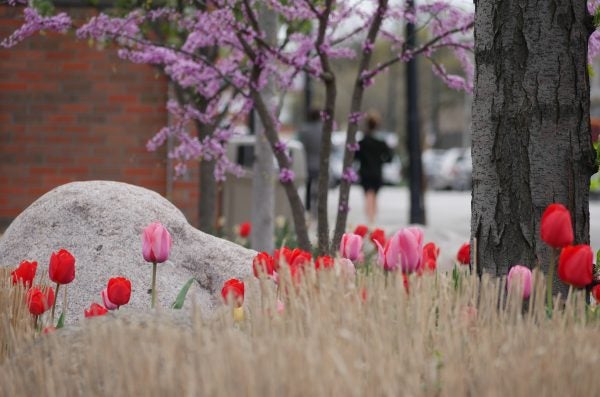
345, 268
34, 22
286, 175
349, 175
351, 246
156, 243
403, 251
519, 278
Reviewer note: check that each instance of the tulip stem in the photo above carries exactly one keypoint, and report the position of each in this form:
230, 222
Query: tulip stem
54, 304
550, 280
153, 284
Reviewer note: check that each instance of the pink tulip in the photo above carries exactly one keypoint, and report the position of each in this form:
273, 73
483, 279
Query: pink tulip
404, 250
519, 277
346, 269
156, 243
107, 303
351, 246
280, 306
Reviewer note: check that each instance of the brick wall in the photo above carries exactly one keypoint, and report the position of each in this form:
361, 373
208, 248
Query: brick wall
70, 112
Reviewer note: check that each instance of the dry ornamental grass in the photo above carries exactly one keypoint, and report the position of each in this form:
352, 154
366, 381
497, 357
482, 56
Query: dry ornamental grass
446, 337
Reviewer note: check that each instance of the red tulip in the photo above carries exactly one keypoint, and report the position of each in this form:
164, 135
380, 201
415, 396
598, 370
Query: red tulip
48, 330
62, 267
279, 255
324, 262
39, 301
233, 289
119, 290
596, 292
378, 235
95, 310
361, 230
245, 229
156, 243
263, 262
430, 255
464, 254
295, 259
575, 265
556, 228
299, 257
24, 273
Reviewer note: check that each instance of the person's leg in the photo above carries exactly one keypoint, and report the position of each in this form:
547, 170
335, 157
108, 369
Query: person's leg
370, 206
308, 200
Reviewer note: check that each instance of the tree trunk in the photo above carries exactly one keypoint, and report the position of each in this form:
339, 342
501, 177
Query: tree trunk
263, 187
531, 127
207, 203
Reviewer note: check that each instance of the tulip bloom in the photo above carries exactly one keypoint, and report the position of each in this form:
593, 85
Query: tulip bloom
156, 243
430, 255
38, 300
575, 265
351, 246
596, 292
361, 230
263, 262
464, 254
519, 277
556, 228
156, 247
62, 267
107, 302
346, 269
245, 229
403, 251
379, 236
119, 291
324, 262
48, 330
95, 310
24, 273
233, 291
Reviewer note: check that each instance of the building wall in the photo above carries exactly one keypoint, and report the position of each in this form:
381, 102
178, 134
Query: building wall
73, 112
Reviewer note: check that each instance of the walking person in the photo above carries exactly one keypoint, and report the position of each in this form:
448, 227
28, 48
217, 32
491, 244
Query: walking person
372, 154
310, 135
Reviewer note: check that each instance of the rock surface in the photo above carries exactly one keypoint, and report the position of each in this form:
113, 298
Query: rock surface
101, 223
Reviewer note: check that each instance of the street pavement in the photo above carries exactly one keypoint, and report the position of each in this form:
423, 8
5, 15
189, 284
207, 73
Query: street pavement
448, 215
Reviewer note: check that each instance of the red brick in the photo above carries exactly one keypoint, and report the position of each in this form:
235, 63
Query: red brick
12, 86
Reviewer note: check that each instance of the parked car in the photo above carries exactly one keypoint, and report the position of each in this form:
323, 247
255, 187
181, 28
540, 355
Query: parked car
432, 159
391, 171
454, 170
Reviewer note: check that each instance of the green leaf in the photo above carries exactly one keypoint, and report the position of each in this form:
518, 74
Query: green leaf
598, 260
61, 321
178, 304
597, 17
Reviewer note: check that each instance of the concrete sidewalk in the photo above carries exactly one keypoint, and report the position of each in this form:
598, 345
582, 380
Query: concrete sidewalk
448, 215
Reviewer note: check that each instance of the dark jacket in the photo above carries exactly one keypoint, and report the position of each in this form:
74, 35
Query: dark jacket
372, 154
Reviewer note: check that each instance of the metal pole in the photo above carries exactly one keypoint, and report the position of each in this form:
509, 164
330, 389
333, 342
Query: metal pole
308, 94
417, 205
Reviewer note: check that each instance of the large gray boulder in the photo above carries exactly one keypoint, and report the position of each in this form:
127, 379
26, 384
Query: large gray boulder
101, 223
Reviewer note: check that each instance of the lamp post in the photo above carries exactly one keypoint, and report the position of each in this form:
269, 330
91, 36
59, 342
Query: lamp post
417, 204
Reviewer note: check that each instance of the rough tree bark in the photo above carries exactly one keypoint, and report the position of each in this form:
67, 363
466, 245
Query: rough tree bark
263, 187
355, 107
531, 127
207, 183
